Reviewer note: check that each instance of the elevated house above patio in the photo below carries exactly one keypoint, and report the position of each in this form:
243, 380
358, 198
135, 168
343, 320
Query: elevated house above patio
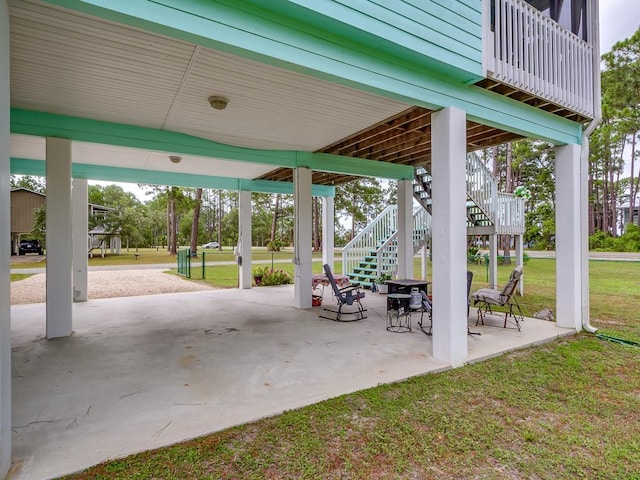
296, 96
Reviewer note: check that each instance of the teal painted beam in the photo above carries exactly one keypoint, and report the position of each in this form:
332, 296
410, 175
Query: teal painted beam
23, 166
247, 33
41, 124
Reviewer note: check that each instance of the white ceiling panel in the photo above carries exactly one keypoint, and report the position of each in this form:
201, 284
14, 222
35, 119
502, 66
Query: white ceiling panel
28, 147
67, 63
34, 148
93, 154
270, 107
73, 64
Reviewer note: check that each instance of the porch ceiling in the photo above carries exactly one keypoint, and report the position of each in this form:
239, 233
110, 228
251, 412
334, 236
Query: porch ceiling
404, 138
69, 63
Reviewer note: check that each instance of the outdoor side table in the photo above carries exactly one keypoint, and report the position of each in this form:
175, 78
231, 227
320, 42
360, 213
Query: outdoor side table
398, 313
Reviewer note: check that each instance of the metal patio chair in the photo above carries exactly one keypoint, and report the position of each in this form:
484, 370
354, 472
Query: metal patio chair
427, 308
350, 295
486, 297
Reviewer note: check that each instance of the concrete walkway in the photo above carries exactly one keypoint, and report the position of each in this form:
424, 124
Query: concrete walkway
145, 372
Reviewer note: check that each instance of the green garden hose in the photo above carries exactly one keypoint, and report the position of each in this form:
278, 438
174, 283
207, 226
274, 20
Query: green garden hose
617, 340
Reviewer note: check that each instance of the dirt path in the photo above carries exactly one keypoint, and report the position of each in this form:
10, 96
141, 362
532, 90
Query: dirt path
109, 284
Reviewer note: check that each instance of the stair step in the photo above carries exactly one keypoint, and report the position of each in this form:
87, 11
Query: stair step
361, 271
359, 276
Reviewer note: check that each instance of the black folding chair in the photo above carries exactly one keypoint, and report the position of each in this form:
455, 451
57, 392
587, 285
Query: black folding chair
350, 295
427, 308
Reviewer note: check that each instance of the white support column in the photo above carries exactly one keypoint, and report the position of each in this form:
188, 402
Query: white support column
568, 237
244, 225
5, 228
493, 261
328, 232
448, 164
519, 261
302, 255
79, 194
59, 239
405, 229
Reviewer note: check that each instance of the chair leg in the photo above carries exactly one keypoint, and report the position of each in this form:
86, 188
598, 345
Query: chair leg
420, 324
482, 310
359, 313
517, 318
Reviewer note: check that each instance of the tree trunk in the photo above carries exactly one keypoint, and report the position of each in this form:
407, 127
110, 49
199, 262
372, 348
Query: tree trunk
506, 239
592, 220
353, 221
168, 221
195, 222
174, 222
219, 220
274, 220
494, 153
316, 224
605, 194
611, 202
633, 183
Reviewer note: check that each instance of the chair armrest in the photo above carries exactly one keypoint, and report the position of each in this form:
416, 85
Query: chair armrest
349, 288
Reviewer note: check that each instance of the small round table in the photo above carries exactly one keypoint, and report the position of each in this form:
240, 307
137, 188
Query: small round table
398, 313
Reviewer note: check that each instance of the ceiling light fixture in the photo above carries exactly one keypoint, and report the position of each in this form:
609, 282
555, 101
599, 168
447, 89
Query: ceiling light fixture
175, 158
219, 103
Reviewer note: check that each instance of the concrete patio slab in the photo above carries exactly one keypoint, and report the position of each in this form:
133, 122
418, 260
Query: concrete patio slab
144, 372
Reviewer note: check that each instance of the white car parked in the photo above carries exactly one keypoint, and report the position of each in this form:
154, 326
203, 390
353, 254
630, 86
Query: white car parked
211, 245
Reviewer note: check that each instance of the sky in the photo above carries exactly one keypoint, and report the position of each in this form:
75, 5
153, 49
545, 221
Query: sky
619, 19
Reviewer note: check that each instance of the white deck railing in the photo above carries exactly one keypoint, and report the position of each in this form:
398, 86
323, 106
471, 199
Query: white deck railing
387, 254
381, 237
369, 239
533, 53
509, 219
481, 186
505, 210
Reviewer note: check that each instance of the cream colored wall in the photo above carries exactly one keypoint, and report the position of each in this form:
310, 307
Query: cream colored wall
23, 206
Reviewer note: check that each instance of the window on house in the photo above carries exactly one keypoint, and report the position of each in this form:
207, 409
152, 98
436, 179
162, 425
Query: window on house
571, 14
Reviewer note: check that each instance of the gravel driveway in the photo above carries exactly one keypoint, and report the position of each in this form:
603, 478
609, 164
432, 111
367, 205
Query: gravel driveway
109, 284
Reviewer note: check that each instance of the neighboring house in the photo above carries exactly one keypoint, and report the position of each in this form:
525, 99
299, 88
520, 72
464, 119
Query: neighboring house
297, 96
625, 214
25, 202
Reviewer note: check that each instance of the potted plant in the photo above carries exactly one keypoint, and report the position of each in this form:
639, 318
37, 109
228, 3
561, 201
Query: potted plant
258, 274
381, 282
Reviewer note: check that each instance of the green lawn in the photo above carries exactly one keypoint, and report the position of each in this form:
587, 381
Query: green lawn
566, 410
153, 256
15, 277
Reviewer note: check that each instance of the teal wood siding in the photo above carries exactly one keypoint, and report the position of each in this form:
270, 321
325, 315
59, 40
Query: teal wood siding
447, 34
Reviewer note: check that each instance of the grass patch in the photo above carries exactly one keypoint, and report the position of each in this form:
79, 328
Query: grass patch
16, 277
152, 256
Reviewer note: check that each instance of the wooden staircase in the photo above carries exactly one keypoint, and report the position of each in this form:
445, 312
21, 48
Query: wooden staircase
374, 250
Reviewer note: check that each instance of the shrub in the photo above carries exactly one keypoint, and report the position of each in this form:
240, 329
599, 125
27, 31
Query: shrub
276, 277
274, 246
260, 271
268, 276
